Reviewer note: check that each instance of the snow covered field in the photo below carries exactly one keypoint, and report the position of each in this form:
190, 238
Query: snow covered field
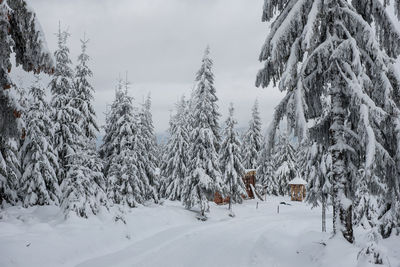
169, 235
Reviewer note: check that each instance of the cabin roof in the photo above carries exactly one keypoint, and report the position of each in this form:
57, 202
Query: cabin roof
298, 180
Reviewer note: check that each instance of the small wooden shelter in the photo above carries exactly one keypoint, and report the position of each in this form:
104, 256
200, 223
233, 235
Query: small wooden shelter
249, 180
297, 189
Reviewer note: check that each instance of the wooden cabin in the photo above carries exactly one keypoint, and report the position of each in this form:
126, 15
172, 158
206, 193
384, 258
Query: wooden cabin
249, 180
297, 189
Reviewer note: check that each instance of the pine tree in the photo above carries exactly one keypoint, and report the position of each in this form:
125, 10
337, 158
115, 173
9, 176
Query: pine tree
175, 162
252, 140
9, 171
80, 193
83, 94
19, 34
315, 166
285, 164
329, 51
39, 185
204, 173
266, 180
231, 162
147, 145
65, 116
126, 177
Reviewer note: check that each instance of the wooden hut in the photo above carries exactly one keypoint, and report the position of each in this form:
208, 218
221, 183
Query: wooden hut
249, 180
297, 189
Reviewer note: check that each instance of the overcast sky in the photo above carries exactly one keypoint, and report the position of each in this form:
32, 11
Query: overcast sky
160, 44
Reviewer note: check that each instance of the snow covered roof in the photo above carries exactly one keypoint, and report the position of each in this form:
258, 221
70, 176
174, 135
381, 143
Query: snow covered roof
250, 170
298, 180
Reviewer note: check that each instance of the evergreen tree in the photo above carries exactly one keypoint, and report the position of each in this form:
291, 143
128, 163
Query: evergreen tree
175, 163
204, 173
329, 51
315, 166
83, 94
266, 180
65, 116
231, 162
39, 185
147, 147
19, 34
126, 177
252, 140
285, 165
80, 193
9, 171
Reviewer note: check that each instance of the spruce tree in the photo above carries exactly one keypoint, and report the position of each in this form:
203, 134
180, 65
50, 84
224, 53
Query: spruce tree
231, 162
65, 115
83, 94
252, 140
19, 34
329, 51
126, 177
265, 175
39, 185
285, 165
204, 175
147, 147
9, 171
174, 168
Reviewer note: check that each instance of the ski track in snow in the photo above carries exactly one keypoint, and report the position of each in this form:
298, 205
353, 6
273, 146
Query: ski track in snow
170, 236
249, 241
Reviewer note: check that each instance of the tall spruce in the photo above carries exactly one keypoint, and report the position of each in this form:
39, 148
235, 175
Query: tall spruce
83, 94
123, 150
67, 130
252, 140
231, 161
329, 51
39, 184
84, 183
204, 175
265, 174
148, 149
19, 34
174, 168
285, 168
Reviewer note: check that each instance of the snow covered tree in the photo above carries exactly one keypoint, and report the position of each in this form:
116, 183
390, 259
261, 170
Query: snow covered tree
266, 180
231, 162
146, 146
329, 51
9, 170
204, 177
126, 176
81, 193
315, 165
252, 140
285, 164
174, 168
83, 94
39, 184
65, 115
20, 33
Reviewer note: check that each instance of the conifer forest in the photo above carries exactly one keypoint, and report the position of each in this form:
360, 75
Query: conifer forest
200, 133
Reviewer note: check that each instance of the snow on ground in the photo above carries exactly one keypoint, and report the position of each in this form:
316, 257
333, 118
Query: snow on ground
169, 235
